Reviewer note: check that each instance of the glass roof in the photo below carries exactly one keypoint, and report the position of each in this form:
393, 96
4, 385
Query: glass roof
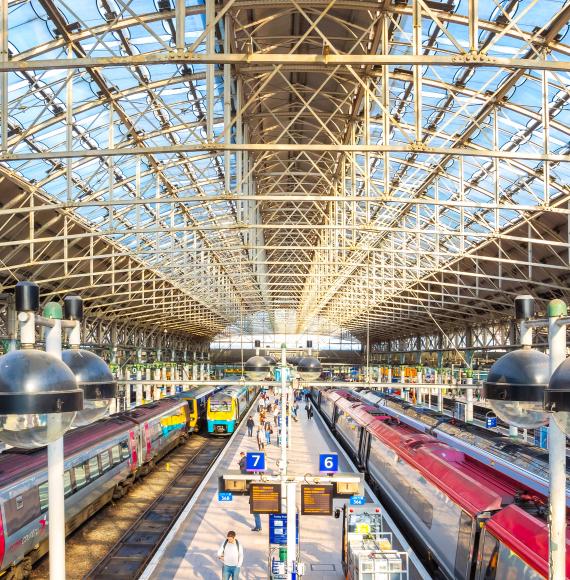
408, 209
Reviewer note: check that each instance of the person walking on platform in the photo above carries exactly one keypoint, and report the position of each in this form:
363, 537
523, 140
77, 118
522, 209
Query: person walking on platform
250, 425
276, 418
260, 438
309, 410
231, 554
268, 431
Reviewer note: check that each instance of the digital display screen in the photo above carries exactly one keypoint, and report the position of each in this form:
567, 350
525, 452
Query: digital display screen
265, 498
316, 500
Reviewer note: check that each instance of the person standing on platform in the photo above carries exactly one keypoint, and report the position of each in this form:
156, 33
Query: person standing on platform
308, 409
231, 554
242, 462
310, 412
260, 438
268, 431
294, 411
250, 425
276, 417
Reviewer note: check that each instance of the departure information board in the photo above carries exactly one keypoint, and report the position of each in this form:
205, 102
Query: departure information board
316, 500
265, 498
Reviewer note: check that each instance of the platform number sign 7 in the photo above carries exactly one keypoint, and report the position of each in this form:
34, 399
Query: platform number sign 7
328, 462
255, 461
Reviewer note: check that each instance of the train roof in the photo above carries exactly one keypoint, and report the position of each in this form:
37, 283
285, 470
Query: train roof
198, 392
526, 535
149, 410
15, 464
363, 414
231, 390
469, 483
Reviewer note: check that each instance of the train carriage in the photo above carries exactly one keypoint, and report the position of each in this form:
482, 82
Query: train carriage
197, 399
226, 408
467, 519
101, 462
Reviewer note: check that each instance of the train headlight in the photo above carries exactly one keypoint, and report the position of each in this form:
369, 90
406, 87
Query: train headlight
38, 398
309, 368
557, 396
95, 379
515, 388
256, 368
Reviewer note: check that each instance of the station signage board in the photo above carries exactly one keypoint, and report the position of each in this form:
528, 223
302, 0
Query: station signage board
278, 529
255, 461
265, 498
225, 496
317, 500
357, 500
328, 462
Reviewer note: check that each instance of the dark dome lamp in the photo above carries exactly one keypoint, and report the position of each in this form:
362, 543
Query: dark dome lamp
257, 368
309, 368
91, 372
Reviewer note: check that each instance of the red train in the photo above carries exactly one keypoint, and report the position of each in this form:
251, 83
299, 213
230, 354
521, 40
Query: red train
464, 518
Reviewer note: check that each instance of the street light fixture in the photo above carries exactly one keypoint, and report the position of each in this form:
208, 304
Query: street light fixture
557, 396
92, 374
515, 388
39, 397
309, 368
256, 368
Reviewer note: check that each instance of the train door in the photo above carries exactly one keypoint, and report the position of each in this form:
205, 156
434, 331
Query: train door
134, 450
363, 448
147, 443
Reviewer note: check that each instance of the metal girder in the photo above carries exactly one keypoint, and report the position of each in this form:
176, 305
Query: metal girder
308, 159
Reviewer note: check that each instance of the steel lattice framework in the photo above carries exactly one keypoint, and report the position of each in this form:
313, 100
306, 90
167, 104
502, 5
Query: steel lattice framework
389, 167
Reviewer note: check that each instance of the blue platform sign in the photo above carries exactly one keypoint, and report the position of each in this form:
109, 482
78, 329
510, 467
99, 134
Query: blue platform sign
491, 422
328, 462
255, 461
357, 500
225, 496
278, 529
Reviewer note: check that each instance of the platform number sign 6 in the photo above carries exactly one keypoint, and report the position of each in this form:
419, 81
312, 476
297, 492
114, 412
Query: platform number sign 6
255, 461
328, 462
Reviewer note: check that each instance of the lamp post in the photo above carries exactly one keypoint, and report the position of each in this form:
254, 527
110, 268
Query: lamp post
38, 402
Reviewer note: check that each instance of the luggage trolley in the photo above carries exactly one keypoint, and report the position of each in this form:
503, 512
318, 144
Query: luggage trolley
368, 551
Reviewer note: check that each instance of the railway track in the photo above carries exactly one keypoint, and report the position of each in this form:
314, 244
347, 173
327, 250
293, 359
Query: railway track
130, 555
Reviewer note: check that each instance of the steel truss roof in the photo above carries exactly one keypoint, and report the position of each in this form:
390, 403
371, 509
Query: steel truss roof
381, 167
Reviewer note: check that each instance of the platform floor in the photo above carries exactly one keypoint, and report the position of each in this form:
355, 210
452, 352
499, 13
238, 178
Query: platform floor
192, 553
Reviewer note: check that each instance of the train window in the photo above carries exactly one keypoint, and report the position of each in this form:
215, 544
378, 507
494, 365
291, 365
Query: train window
43, 491
511, 567
489, 554
124, 450
21, 510
116, 454
79, 476
93, 464
105, 461
463, 554
67, 483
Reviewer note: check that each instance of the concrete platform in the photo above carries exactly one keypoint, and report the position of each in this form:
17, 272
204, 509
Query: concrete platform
191, 553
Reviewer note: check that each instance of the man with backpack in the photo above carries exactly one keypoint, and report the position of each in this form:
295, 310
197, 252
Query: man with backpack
231, 554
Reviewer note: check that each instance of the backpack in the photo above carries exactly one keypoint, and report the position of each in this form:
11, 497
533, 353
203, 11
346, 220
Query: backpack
226, 543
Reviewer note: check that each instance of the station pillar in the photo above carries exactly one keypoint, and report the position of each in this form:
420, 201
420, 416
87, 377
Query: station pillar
469, 398
127, 376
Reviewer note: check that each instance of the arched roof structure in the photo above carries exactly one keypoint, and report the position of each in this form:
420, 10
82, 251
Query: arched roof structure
390, 166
